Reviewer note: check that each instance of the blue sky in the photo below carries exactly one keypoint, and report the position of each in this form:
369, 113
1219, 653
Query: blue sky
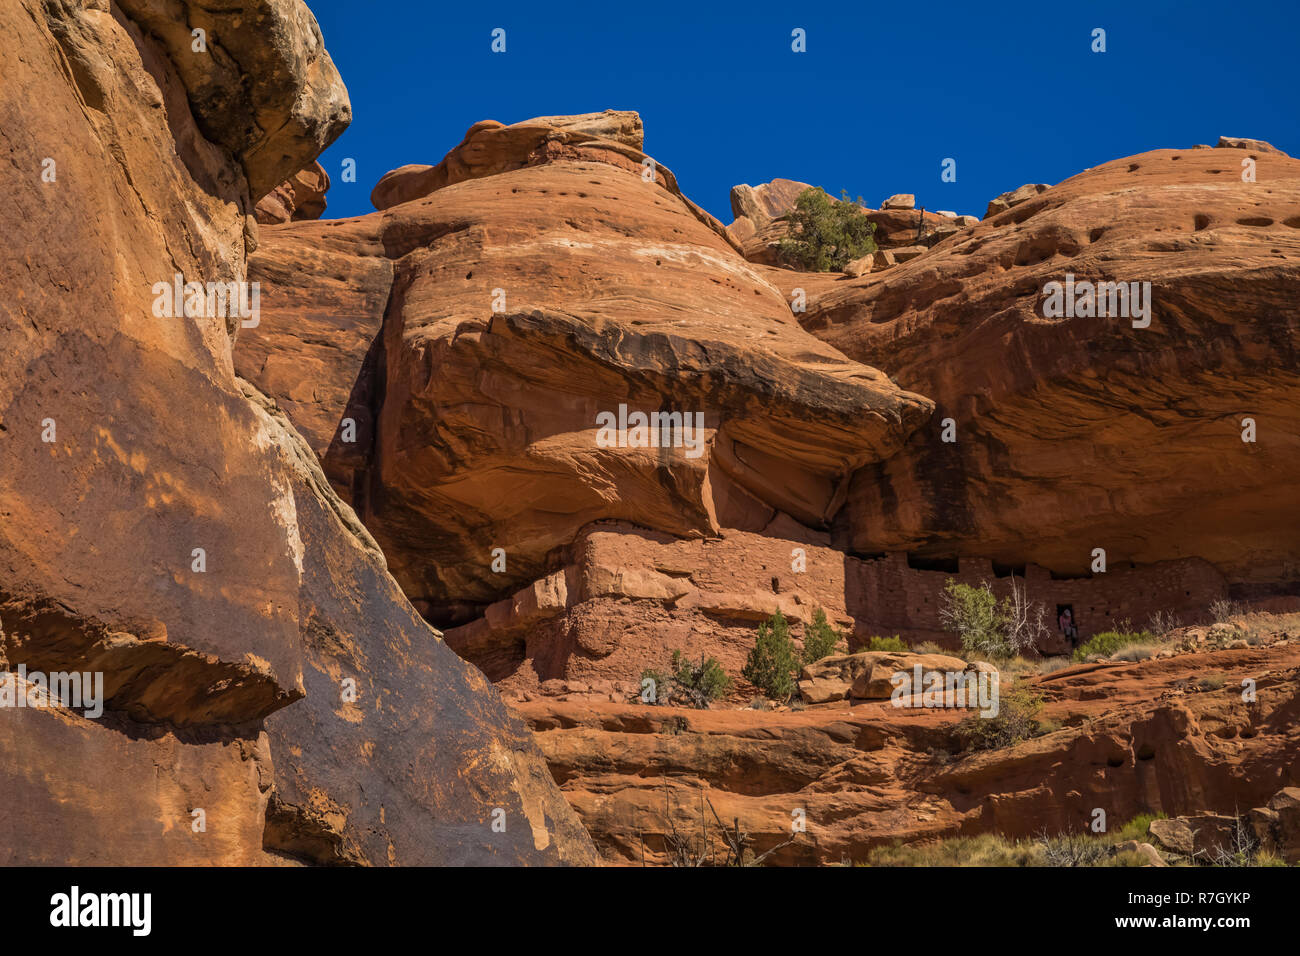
884, 93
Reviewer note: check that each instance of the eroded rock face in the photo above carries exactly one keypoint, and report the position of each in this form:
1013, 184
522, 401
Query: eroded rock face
165, 527
301, 196
626, 598
544, 280
265, 88
1080, 433
404, 765
490, 147
763, 203
1135, 738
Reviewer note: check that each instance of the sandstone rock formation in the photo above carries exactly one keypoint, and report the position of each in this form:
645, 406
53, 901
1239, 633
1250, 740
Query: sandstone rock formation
1015, 197
264, 88
1134, 738
763, 203
626, 598
490, 147
868, 675
301, 196
471, 332
544, 400
541, 279
1070, 434
761, 223
166, 527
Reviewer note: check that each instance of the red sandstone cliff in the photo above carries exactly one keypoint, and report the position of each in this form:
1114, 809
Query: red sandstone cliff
165, 525
415, 436
1082, 433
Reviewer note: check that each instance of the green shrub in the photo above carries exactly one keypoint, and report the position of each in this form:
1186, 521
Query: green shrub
819, 638
773, 665
1017, 720
1108, 642
691, 684
707, 680
972, 613
827, 235
894, 643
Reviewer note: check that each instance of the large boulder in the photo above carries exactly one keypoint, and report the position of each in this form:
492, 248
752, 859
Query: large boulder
1202, 837
263, 86
763, 203
1013, 198
1254, 145
164, 525
622, 126
870, 675
544, 281
1277, 826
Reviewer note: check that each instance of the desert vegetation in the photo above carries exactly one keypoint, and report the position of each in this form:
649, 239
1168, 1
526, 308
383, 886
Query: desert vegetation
827, 235
1109, 643
1128, 845
989, 628
1017, 720
820, 639
687, 684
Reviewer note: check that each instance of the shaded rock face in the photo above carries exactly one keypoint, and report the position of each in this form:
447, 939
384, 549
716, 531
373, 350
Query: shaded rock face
541, 280
1082, 433
166, 527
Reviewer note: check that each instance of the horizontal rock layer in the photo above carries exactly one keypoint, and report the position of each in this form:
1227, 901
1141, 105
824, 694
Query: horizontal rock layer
1135, 739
